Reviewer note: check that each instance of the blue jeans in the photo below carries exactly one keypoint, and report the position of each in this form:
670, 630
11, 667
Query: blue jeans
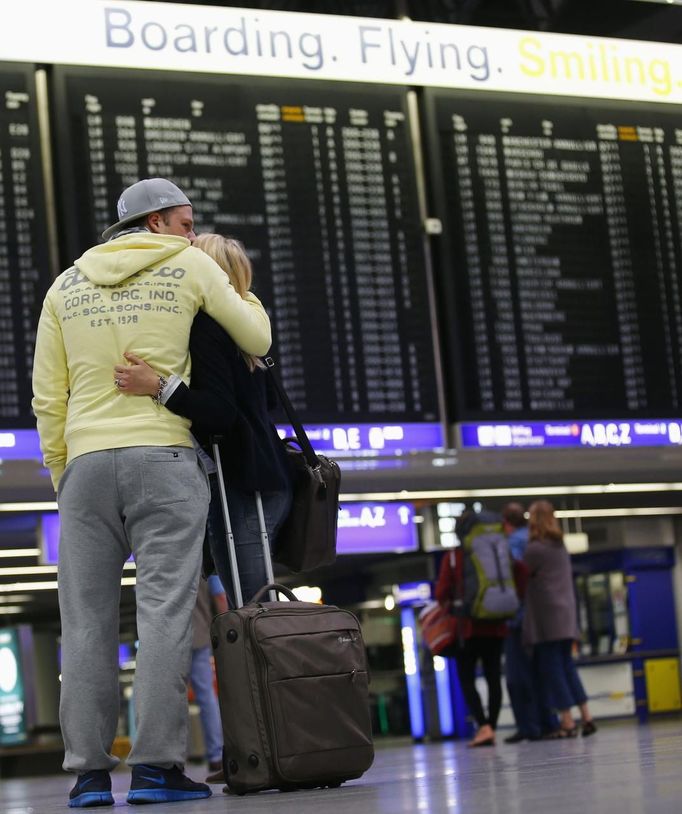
246, 533
201, 679
556, 670
532, 715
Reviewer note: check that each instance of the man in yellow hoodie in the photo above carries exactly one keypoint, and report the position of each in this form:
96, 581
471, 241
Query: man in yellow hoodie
128, 480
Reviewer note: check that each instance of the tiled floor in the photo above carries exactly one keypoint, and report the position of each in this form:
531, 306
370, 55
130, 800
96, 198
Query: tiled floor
623, 769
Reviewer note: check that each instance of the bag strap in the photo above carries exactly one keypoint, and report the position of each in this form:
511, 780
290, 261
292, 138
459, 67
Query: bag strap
458, 601
303, 441
273, 586
498, 567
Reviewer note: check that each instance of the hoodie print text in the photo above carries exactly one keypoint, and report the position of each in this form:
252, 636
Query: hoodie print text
97, 306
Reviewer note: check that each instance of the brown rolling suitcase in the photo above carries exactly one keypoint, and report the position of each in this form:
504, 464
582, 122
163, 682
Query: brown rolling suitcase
292, 686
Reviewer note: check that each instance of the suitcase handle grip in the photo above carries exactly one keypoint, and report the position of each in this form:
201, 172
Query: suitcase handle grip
273, 586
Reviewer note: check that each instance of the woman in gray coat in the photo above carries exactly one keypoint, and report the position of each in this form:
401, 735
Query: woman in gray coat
550, 622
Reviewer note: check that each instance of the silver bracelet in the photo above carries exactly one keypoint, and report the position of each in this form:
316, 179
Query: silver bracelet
163, 381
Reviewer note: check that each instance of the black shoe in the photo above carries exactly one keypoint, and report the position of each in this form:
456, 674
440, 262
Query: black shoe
589, 728
152, 784
92, 789
517, 737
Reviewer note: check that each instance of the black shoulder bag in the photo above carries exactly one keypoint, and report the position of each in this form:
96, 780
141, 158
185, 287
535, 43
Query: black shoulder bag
307, 539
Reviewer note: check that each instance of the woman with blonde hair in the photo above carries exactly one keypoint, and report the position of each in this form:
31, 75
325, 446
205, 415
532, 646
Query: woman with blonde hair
550, 622
230, 396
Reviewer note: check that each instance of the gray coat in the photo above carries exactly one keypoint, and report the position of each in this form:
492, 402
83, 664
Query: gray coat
551, 613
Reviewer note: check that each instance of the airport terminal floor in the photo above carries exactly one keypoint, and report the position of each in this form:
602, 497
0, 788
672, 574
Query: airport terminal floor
625, 768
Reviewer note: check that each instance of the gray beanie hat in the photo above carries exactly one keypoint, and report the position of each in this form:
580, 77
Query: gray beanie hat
143, 198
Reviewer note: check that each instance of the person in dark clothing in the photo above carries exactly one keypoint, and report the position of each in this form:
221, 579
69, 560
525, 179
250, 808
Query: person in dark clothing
550, 623
533, 717
479, 641
230, 396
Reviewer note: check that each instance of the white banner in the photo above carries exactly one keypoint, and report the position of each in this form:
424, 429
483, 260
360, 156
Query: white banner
318, 46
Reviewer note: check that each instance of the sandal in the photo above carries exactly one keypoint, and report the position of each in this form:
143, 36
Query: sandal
589, 728
474, 744
561, 733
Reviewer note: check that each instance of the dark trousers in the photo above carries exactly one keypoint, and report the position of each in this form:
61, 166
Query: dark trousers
532, 715
487, 649
247, 536
558, 674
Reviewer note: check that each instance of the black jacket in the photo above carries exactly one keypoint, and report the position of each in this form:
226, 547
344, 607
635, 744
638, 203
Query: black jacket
226, 398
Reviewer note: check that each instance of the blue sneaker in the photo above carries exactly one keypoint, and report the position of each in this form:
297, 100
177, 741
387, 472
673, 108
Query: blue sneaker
92, 789
152, 784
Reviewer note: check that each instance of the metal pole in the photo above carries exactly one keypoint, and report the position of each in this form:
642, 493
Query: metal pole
420, 176
266, 545
43, 107
236, 585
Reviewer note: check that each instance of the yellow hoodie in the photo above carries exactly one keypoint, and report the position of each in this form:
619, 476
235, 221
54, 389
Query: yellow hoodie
140, 293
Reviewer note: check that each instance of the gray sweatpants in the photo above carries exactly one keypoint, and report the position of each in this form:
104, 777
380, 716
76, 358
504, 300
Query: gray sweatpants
152, 501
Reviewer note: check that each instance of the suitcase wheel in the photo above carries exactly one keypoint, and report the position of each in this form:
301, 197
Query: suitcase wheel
228, 790
305, 786
333, 785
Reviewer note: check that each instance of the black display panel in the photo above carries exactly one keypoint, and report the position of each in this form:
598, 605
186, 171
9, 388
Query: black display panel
24, 270
559, 266
316, 179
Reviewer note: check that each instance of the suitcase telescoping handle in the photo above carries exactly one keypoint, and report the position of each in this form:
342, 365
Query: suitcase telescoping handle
276, 588
231, 550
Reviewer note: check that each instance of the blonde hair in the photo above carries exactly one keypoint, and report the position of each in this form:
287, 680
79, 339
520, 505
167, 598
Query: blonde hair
542, 524
232, 258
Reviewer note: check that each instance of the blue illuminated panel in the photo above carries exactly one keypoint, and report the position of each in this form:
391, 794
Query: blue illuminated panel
375, 528
126, 655
21, 445
443, 694
350, 439
585, 434
49, 537
412, 594
412, 672
341, 439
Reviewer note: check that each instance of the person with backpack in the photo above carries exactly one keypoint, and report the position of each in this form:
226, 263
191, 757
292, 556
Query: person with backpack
481, 588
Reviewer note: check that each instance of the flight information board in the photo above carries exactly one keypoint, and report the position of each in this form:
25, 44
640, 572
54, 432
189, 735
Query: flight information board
560, 260
316, 179
24, 271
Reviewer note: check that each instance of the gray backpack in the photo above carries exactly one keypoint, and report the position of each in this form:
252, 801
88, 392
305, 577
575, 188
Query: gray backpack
487, 591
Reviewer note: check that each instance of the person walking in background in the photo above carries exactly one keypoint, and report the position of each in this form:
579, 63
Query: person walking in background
128, 480
211, 600
478, 640
229, 395
533, 718
550, 622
